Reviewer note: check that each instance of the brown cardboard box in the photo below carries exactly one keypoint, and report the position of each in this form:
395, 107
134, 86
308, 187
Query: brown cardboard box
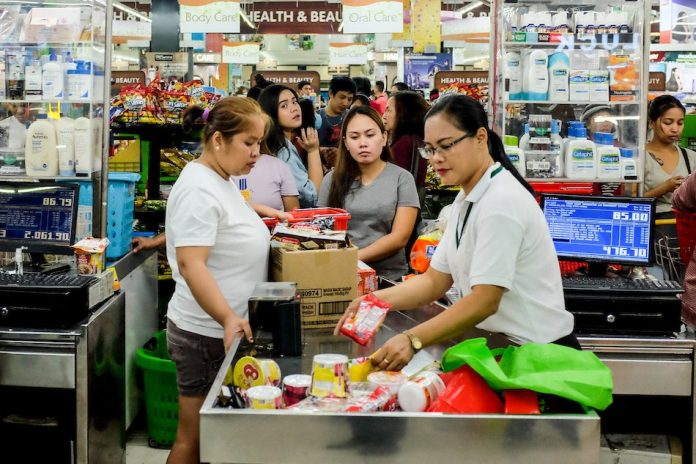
326, 281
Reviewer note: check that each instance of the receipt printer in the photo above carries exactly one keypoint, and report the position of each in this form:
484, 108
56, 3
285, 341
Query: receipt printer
275, 307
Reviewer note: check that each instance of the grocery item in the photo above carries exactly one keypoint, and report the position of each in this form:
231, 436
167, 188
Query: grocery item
624, 81
33, 81
295, 388
390, 379
513, 73
374, 402
83, 149
608, 157
79, 81
52, 79
514, 153
251, 372
417, 394
359, 369
559, 69
264, 397
330, 375
367, 279
535, 79
90, 255
65, 134
581, 156
367, 320
40, 148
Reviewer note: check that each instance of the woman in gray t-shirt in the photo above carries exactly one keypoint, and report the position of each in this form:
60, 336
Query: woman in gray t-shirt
381, 197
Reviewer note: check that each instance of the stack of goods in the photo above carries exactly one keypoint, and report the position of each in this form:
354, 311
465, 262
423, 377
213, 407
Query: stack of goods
316, 234
173, 160
152, 105
478, 92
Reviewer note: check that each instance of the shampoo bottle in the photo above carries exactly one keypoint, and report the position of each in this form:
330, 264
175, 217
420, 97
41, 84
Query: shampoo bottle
513, 72
83, 149
41, 154
65, 134
559, 71
514, 153
535, 81
608, 157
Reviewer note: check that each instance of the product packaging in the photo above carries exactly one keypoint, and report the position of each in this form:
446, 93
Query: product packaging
359, 369
296, 388
251, 372
392, 380
367, 279
90, 255
305, 236
417, 394
367, 320
623, 78
374, 402
40, 148
330, 376
264, 397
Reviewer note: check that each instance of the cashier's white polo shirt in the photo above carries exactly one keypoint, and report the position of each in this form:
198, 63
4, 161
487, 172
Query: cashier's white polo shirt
506, 242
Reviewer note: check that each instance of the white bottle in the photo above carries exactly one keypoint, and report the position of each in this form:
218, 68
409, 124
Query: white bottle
80, 82
599, 85
608, 157
557, 147
33, 81
581, 156
535, 79
559, 70
65, 136
83, 147
513, 71
52, 79
41, 155
514, 153
629, 168
524, 141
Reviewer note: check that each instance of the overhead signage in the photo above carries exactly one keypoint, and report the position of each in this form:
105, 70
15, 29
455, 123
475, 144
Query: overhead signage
372, 16
206, 58
445, 78
307, 17
240, 52
347, 53
126, 30
209, 16
169, 65
292, 78
119, 79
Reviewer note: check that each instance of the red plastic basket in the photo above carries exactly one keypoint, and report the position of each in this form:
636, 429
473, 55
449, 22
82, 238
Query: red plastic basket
341, 216
270, 223
567, 188
686, 233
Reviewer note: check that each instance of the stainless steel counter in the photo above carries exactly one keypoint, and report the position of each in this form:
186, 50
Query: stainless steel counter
255, 436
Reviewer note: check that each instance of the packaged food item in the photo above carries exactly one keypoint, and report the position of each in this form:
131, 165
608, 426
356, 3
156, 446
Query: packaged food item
374, 402
174, 103
359, 369
330, 375
367, 279
296, 388
393, 380
417, 394
90, 255
308, 237
367, 320
251, 372
264, 397
314, 404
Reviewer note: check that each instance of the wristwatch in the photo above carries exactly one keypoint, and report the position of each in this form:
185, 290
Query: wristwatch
416, 343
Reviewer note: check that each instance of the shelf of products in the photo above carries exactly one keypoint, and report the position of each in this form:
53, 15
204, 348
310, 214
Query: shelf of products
570, 89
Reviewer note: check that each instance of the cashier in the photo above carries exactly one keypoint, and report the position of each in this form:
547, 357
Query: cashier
496, 250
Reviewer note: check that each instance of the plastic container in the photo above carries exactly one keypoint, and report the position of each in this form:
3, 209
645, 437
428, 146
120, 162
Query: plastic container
608, 157
629, 168
390, 379
264, 397
559, 69
418, 394
12, 162
341, 216
296, 388
581, 155
686, 233
41, 154
52, 79
161, 392
514, 153
513, 73
330, 375
535, 77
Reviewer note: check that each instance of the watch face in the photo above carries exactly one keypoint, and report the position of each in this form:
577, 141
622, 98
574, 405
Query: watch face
416, 343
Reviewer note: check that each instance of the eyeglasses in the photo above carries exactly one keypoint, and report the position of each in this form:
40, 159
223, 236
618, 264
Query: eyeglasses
428, 152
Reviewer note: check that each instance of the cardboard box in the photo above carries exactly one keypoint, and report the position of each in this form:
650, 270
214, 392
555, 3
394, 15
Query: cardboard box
326, 281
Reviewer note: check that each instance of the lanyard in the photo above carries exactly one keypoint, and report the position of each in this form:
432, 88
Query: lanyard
459, 233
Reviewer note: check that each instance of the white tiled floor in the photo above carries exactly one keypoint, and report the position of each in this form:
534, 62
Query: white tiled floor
138, 452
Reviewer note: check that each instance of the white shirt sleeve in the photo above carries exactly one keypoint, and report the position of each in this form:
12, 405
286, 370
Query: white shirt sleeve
498, 244
194, 219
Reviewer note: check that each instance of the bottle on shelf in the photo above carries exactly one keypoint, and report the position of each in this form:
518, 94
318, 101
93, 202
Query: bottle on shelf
608, 157
557, 146
33, 85
514, 153
535, 77
52, 79
581, 155
41, 155
83, 150
629, 168
559, 69
524, 141
65, 135
513, 71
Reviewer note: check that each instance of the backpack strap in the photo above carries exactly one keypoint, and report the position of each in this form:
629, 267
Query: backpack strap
686, 159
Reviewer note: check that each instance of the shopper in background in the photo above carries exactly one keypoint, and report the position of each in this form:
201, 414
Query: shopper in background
270, 183
261, 83
241, 91
218, 250
304, 89
379, 103
380, 196
399, 87
404, 119
598, 118
498, 252
684, 199
362, 85
434, 95
360, 100
341, 92
667, 164
281, 104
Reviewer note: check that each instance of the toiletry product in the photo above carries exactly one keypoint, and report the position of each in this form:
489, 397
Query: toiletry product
68, 65
14, 134
3, 88
83, 147
624, 77
524, 140
629, 168
560, 22
513, 71
589, 18
579, 85
65, 136
15, 74
579, 23
514, 153
80, 82
52, 79
581, 156
557, 148
33, 81
559, 70
535, 78
599, 85
608, 157
12, 162
40, 151
544, 22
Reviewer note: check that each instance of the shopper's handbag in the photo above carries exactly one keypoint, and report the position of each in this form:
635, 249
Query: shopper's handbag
545, 368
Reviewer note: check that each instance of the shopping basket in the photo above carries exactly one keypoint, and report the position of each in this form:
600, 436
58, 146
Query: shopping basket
340, 217
686, 233
667, 256
161, 392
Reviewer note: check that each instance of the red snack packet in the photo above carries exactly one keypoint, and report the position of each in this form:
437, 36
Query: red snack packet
374, 402
367, 320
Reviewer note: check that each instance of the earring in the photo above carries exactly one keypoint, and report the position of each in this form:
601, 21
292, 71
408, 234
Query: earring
217, 147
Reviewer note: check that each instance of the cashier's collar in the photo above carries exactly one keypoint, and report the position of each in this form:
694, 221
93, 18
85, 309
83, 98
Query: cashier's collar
480, 188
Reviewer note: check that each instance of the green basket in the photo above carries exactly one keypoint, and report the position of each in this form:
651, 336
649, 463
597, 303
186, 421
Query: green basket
161, 392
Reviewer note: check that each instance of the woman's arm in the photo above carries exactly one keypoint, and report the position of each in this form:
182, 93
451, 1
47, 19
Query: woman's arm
290, 202
192, 262
267, 211
402, 227
309, 140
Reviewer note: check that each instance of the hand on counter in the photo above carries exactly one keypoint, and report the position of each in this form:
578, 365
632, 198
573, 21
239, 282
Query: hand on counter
394, 354
350, 312
233, 326
148, 243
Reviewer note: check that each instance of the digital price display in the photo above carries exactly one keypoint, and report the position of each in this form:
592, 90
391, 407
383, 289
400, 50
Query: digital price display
37, 216
601, 229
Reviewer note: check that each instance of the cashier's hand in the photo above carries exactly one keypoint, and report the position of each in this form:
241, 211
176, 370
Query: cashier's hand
394, 354
350, 312
233, 326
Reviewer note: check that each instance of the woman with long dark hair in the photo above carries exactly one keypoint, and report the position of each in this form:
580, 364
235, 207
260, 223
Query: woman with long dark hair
380, 196
282, 105
496, 250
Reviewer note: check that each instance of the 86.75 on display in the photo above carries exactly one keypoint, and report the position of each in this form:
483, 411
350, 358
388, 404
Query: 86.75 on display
62, 236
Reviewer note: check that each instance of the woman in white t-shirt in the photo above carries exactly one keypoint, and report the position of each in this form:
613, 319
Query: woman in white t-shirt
496, 249
217, 247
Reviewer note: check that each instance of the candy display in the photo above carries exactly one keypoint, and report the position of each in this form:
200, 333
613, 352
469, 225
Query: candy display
367, 320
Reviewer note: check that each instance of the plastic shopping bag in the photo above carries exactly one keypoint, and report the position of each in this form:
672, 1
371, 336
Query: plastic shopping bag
545, 368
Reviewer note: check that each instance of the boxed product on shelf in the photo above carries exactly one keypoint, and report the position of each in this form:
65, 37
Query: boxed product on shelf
624, 77
51, 25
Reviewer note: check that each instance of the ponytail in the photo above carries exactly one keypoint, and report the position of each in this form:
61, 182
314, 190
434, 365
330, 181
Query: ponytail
497, 151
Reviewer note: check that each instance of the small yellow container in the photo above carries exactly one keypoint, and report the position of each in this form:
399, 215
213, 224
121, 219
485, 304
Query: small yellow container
251, 372
264, 397
330, 376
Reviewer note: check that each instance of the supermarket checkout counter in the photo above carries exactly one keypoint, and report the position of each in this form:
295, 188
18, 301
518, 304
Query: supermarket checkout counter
283, 436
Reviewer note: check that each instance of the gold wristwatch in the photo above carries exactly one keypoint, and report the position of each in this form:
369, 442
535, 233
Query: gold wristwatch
416, 343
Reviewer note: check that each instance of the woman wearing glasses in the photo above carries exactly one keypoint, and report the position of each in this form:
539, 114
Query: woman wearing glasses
380, 196
495, 249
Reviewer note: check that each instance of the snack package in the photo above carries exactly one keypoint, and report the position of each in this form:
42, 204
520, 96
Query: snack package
174, 103
303, 236
90, 255
367, 320
367, 279
374, 402
424, 248
359, 369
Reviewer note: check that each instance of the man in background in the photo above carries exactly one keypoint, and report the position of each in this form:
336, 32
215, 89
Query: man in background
341, 92
304, 89
379, 103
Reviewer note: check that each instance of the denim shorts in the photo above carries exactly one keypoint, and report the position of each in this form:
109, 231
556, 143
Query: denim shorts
198, 359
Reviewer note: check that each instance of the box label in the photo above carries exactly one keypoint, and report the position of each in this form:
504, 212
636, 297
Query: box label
310, 292
308, 309
333, 307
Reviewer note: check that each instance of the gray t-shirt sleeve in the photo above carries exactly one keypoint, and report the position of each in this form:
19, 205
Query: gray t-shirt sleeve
324, 190
407, 191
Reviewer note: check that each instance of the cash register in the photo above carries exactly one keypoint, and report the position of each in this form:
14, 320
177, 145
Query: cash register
611, 231
40, 219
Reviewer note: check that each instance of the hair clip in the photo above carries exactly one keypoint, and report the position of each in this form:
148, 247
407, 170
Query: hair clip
206, 113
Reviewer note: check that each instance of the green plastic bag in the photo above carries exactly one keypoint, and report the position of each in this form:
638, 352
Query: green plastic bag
545, 368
